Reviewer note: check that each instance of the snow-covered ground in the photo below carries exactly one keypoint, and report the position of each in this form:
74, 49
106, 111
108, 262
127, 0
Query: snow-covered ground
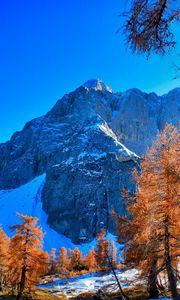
93, 282
90, 282
26, 199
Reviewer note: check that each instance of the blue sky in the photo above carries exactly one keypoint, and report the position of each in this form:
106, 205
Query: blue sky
48, 48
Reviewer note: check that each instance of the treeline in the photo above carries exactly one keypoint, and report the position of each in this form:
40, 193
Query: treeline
71, 262
23, 262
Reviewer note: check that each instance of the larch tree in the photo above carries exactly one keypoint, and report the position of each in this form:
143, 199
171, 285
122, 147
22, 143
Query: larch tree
64, 262
148, 25
26, 258
113, 252
106, 257
76, 259
90, 260
53, 263
4, 249
102, 249
152, 235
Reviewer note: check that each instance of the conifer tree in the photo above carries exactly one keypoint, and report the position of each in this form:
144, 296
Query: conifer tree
53, 264
76, 259
4, 249
26, 258
153, 234
64, 262
102, 250
148, 25
113, 251
90, 260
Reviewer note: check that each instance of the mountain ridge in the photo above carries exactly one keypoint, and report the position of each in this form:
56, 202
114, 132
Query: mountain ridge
87, 144
177, 89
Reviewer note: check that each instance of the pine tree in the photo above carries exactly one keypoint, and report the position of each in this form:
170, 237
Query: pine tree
4, 249
152, 235
26, 258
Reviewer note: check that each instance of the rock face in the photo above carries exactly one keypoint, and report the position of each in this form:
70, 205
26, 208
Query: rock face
88, 145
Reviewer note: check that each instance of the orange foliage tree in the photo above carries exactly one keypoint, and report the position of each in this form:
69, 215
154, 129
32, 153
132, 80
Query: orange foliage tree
113, 252
53, 264
27, 260
152, 236
76, 260
90, 260
102, 250
148, 25
4, 248
64, 262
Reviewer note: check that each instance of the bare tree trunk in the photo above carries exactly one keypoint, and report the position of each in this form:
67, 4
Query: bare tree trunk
123, 295
1, 281
152, 280
170, 273
22, 284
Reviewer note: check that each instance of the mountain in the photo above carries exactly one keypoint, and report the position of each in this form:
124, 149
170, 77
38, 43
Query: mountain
87, 144
27, 200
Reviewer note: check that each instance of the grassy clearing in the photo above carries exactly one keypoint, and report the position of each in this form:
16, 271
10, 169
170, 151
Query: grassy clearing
39, 294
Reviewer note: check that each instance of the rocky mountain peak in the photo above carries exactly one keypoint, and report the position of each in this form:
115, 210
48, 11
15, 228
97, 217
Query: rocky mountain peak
87, 145
97, 85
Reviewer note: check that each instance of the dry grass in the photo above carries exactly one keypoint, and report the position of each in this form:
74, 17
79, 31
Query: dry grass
39, 294
138, 293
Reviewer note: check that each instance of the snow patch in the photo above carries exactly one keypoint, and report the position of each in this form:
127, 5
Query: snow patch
26, 200
123, 151
94, 155
97, 84
91, 282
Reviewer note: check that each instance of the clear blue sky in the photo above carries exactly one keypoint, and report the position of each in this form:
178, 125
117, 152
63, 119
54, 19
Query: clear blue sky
50, 47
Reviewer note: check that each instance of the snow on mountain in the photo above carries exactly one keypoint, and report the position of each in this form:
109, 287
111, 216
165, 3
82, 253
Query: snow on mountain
123, 152
27, 200
87, 145
97, 85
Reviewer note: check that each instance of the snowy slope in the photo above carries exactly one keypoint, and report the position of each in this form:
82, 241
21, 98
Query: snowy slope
123, 152
27, 200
